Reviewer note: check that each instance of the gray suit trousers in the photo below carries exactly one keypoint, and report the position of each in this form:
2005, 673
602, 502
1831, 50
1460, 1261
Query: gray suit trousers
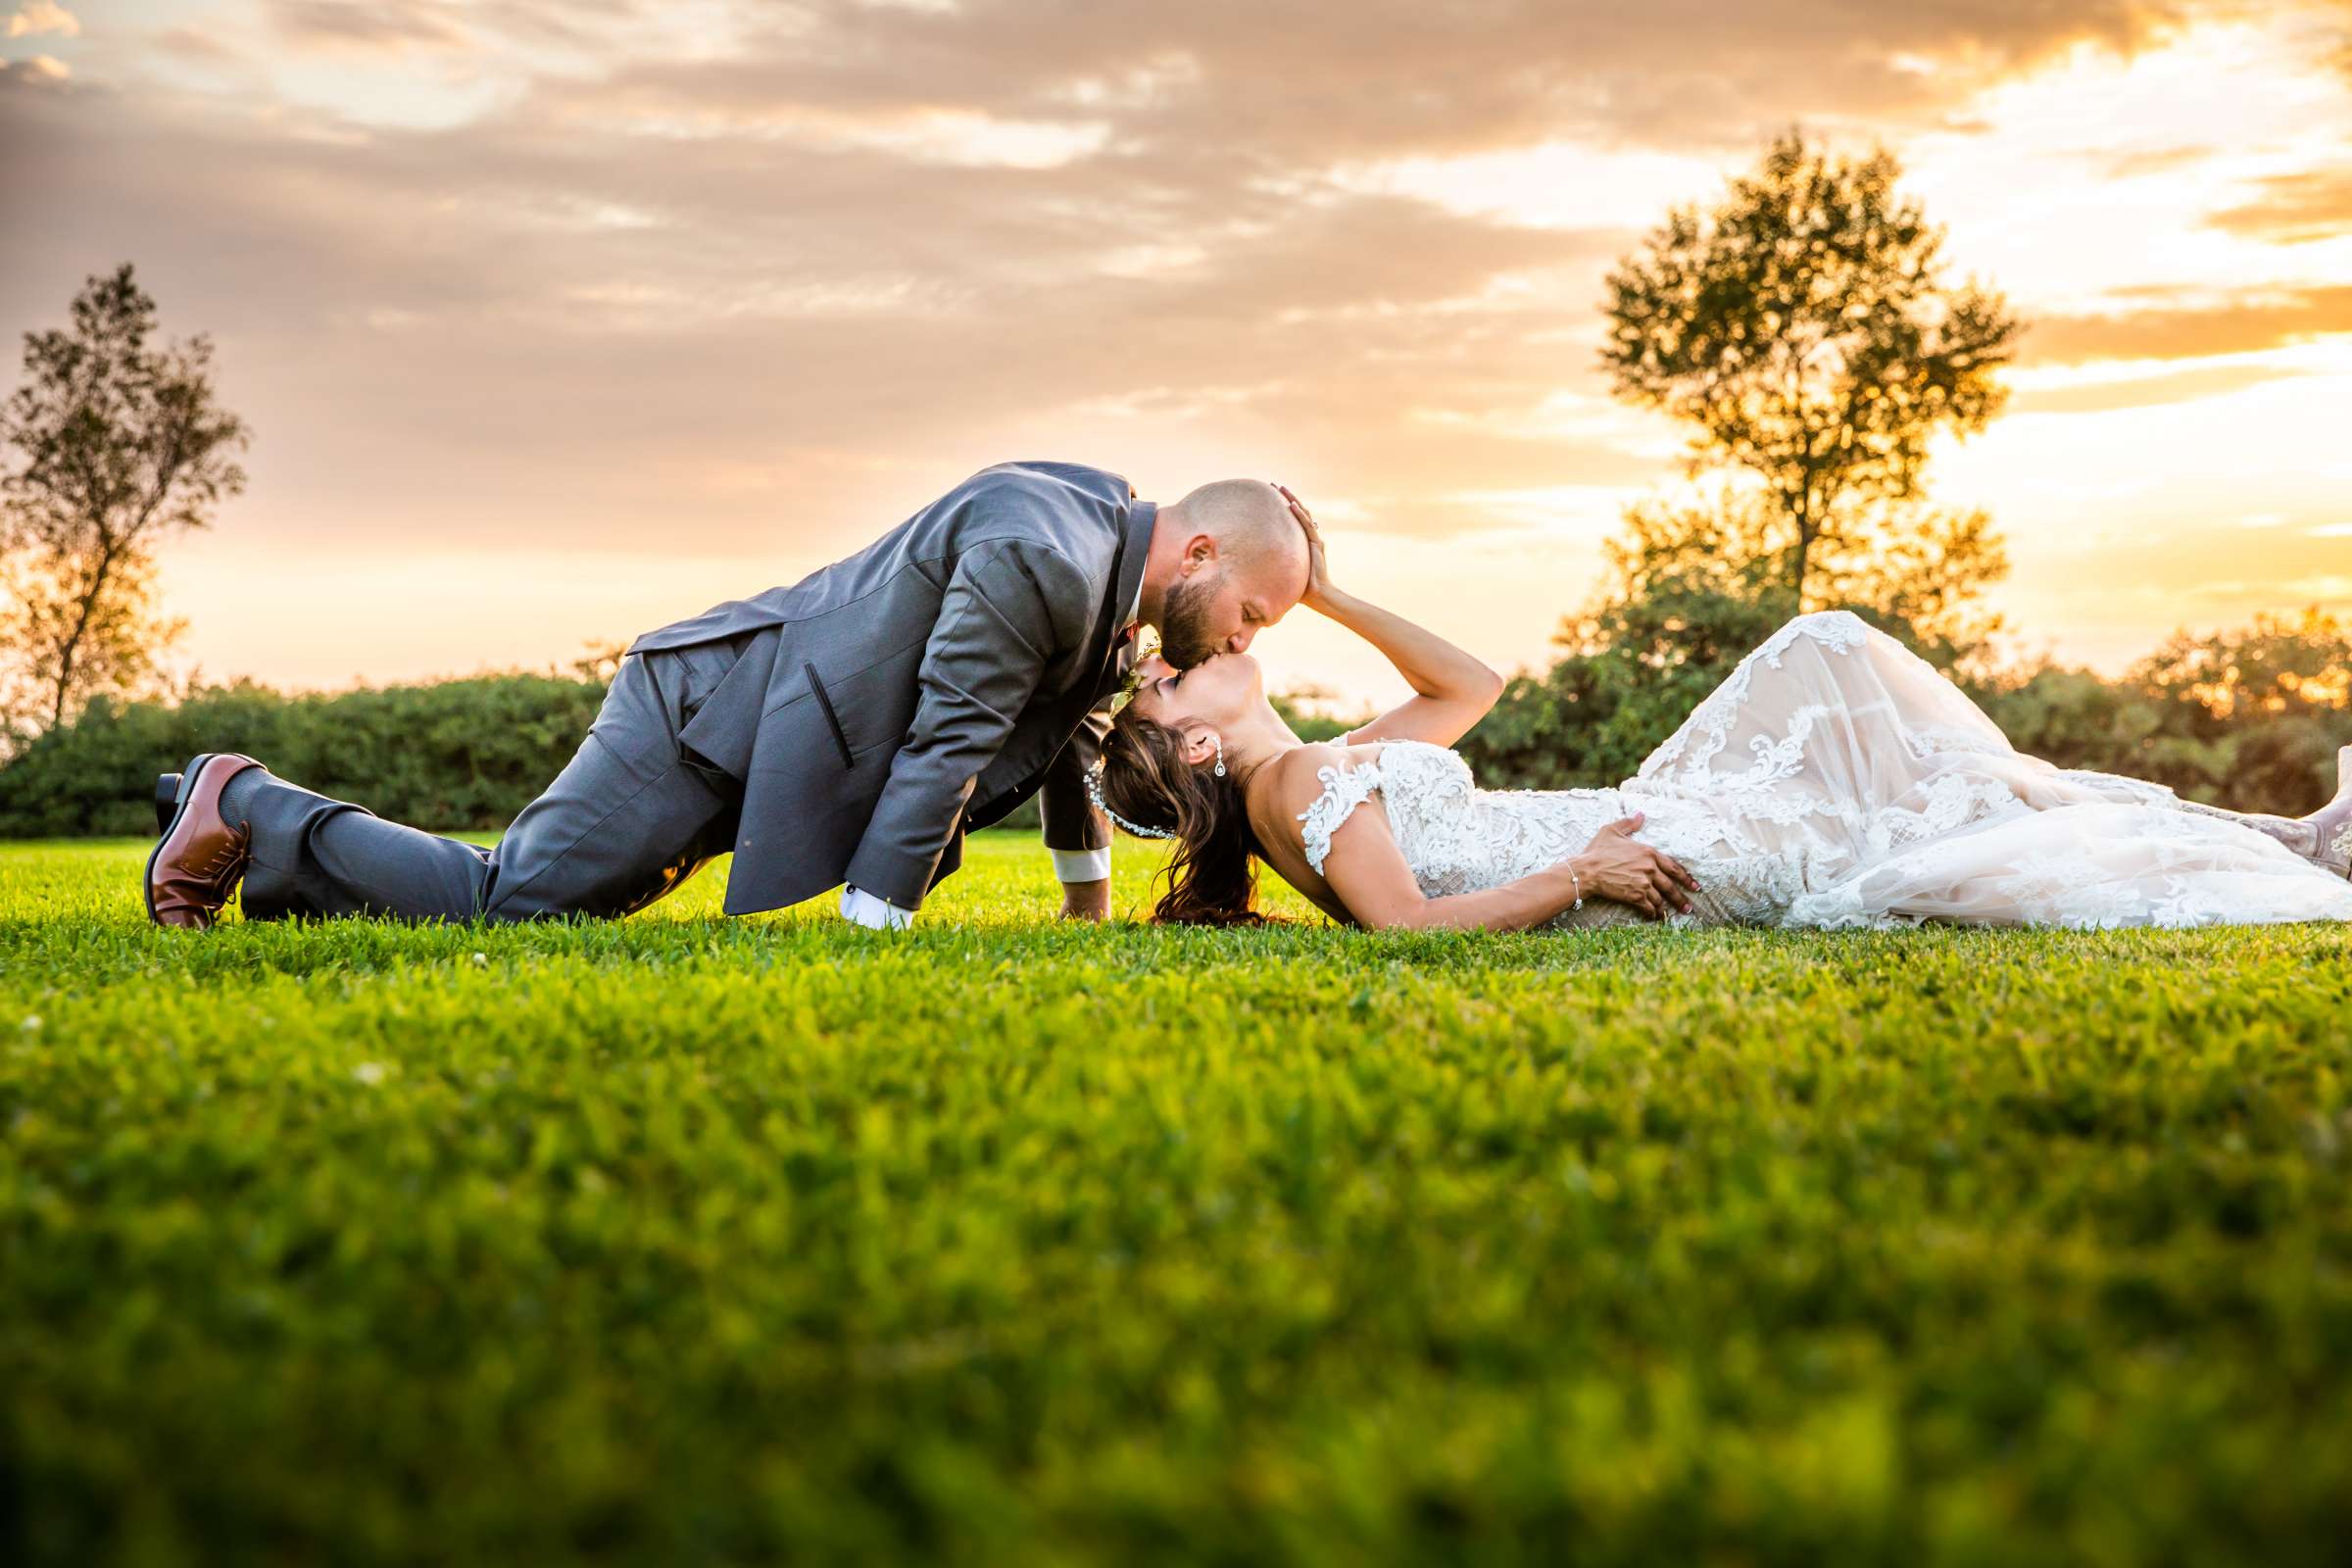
628, 820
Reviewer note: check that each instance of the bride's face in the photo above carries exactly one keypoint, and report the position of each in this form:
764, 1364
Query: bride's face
1217, 691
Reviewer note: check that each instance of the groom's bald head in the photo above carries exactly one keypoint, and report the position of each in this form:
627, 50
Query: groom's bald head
1247, 516
1235, 559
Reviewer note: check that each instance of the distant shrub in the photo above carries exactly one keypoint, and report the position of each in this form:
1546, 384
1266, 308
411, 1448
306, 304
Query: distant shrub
2249, 717
453, 755
1307, 713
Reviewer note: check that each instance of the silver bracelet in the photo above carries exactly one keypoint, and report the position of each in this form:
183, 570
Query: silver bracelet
1576, 885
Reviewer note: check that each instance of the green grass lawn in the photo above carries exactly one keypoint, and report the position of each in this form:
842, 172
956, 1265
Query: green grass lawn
685, 1239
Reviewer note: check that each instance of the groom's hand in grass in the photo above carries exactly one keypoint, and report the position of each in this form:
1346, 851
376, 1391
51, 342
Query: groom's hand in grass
1086, 900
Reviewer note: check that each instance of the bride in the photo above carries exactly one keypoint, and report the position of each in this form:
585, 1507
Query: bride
1835, 779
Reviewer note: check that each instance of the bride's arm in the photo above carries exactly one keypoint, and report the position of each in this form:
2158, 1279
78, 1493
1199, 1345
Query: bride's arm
1367, 873
1453, 690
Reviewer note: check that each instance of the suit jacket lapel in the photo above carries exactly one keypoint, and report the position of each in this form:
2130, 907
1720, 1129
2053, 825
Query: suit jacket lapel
1126, 581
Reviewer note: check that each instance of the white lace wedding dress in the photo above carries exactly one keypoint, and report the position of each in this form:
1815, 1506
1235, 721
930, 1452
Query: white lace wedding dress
1837, 779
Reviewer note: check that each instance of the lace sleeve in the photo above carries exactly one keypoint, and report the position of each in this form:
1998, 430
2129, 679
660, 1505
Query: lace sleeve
1343, 789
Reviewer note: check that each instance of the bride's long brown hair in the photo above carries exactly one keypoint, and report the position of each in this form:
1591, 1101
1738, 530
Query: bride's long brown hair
1212, 880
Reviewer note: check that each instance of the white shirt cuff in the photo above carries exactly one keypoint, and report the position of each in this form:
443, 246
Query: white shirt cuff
1082, 865
873, 914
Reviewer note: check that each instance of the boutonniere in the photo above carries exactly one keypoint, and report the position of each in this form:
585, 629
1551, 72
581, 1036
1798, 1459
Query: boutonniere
1133, 676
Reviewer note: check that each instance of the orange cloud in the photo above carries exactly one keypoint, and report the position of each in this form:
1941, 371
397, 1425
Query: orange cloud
34, 71
2190, 328
2142, 392
36, 17
386, 26
2294, 209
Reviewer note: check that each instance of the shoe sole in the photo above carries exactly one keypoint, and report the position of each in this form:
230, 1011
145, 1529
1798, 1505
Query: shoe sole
166, 801
179, 803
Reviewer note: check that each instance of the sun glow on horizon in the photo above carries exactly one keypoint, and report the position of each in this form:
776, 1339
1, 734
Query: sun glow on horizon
681, 307
2118, 511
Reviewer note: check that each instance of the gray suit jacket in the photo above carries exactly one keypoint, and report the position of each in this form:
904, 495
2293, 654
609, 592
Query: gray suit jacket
929, 683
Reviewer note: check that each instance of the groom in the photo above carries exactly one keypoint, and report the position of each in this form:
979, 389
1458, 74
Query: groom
843, 731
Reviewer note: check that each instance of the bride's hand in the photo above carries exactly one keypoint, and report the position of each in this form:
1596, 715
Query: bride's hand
1318, 571
1614, 867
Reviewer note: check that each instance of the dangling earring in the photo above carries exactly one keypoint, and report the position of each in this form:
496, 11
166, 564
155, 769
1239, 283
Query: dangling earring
1219, 742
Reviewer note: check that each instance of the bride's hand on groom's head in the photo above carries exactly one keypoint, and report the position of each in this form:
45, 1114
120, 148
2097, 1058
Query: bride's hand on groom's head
1318, 571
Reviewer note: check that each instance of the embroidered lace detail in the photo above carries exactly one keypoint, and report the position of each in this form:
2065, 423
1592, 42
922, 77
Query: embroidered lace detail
1929, 740
1343, 789
1703, 734
1836, 779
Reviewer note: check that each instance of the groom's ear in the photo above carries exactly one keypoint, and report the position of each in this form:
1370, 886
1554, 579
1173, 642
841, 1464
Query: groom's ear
1198, 550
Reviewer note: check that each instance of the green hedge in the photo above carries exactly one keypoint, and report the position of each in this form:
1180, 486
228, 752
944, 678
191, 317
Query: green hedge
455, 755
452, 756
2250, 719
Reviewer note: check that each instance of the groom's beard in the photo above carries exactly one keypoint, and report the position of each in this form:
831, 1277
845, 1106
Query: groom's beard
1185, 639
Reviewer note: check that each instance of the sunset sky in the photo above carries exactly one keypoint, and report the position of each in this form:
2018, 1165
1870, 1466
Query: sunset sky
558, 320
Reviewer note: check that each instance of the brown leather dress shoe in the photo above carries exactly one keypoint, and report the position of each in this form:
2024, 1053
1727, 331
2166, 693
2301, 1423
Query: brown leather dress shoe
197, 863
